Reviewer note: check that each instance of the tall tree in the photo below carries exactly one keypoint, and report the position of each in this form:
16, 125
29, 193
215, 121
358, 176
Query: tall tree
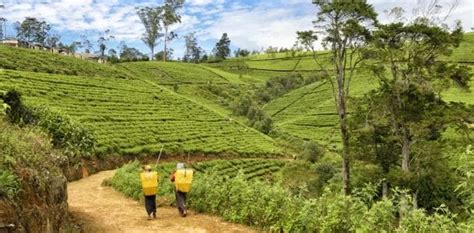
131, 54
86, 44
53, 40
222, 48
414, 81
73, 46
151, 18
193, 52
345, 25
170, 17
33, 30
102, 42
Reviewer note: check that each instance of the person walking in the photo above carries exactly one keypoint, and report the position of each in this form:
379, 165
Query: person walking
182, 179
149, 181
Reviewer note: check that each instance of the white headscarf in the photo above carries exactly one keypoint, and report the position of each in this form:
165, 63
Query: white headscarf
180, 166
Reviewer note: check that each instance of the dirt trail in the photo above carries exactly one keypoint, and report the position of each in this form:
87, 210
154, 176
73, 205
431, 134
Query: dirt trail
102, 209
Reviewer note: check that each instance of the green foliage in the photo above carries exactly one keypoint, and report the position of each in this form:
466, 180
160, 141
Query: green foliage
466, 186
279, 86
33, 30
9, 185
127, 179
246, 106
26, 156
228, 188
17, 112
74, 138
312, 152
273, 208
65, 134
151, 18
222, 48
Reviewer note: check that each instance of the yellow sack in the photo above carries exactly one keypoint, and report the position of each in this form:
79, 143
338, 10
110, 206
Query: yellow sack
149, 182
183, 179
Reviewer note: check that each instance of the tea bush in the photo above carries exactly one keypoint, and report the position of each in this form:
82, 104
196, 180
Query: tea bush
272, 207
134, 117
65, 133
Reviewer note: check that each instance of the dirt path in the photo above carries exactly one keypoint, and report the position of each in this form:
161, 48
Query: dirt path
102, 209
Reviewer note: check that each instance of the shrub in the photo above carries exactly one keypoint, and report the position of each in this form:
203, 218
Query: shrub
9, 185
65, 133
17, 112
312, 151
272, 207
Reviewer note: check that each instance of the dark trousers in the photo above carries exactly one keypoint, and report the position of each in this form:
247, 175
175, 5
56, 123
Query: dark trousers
181, 201
150, 204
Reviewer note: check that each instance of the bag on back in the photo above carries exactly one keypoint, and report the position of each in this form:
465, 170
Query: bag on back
149, 182
183, 180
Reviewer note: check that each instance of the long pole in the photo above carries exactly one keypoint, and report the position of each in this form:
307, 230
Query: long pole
159, 156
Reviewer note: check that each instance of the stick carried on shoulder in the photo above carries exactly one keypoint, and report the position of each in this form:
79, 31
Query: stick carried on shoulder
159, 156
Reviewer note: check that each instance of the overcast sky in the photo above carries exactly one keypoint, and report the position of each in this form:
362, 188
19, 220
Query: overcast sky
251, 24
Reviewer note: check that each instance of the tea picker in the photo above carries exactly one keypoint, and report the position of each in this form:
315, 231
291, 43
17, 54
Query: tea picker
182, 178
149, 180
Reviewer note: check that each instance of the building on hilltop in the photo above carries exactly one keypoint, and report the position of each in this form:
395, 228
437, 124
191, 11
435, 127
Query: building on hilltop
14, 42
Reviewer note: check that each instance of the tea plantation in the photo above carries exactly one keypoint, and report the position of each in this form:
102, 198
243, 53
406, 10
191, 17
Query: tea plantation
131, 116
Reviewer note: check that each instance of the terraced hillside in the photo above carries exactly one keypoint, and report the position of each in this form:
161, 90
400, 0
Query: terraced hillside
132, 114
310, 113
45, 62
136, 107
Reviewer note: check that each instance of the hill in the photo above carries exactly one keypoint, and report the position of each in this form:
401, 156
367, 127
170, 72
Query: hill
45, 62
309, 112
130, 115
138, 106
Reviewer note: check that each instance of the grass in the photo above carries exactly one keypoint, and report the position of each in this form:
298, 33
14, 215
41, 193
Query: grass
465, 51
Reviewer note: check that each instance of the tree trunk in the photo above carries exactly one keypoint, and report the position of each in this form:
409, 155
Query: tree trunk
406, 151
165, 51
342, 110
152, 54
385, 188
415, 199
345, 151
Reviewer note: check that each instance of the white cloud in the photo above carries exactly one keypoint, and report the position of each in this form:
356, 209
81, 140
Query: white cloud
204, 2
260, 26
80, 15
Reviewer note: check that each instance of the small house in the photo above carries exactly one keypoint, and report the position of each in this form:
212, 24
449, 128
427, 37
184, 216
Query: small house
11, 42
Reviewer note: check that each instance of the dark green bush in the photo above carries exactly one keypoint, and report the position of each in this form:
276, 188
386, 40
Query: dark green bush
17, 112
9, 185
312, 151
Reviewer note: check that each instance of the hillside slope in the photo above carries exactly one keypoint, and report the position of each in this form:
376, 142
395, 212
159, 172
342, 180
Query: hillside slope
309, 112
130, 115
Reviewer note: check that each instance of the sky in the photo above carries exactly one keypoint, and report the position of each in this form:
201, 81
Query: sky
250, 24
